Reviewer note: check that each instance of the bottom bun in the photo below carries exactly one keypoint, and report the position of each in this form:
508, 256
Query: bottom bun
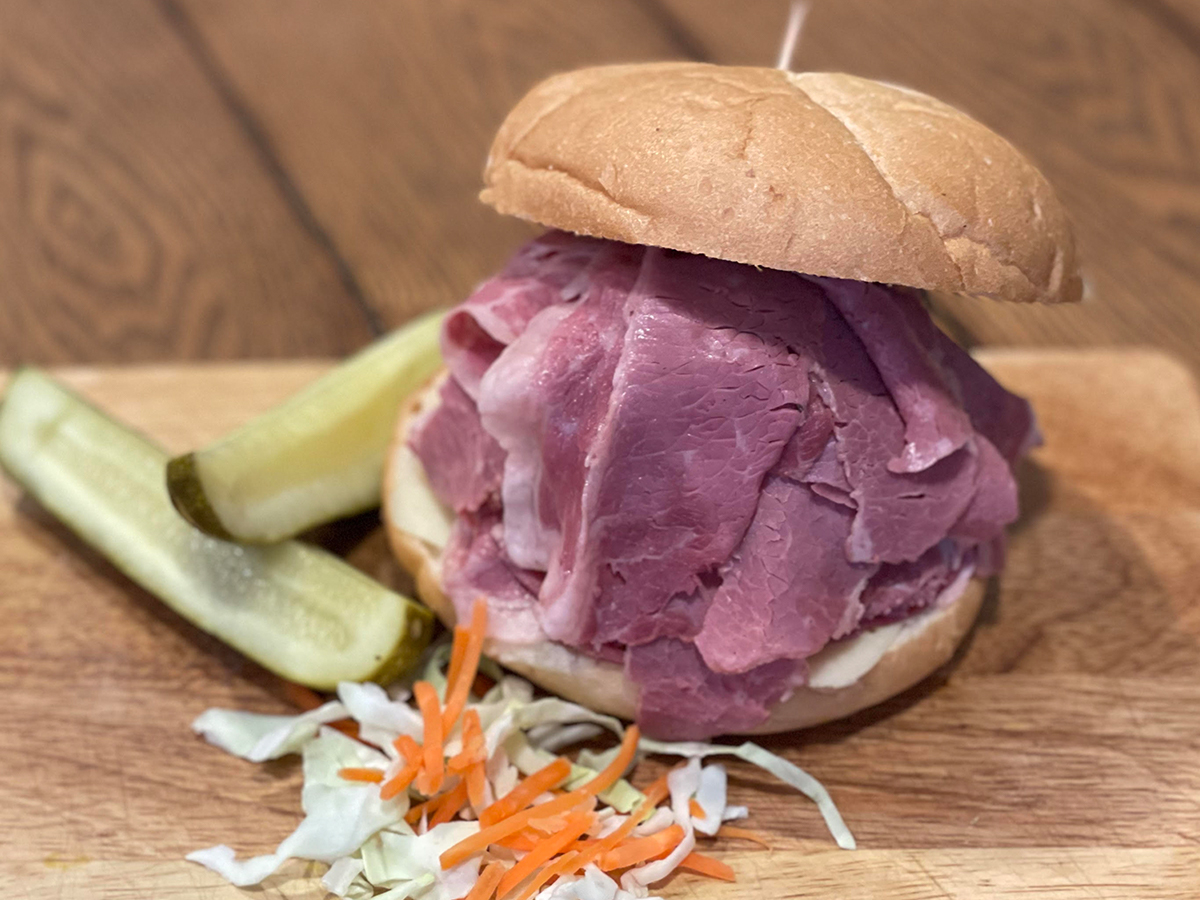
844, 678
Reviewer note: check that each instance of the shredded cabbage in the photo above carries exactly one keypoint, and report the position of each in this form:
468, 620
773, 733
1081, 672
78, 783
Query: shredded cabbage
259, 737
785, 771
339, 815
370, 847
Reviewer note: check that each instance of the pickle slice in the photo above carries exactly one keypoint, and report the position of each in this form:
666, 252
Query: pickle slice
316, 457
295, 609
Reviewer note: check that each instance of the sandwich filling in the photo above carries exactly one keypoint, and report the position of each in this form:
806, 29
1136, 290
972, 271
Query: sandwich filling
707, 472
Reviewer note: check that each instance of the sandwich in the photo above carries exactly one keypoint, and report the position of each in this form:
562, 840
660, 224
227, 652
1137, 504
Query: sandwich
700, 446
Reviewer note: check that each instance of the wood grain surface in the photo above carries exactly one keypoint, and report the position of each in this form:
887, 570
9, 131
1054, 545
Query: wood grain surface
1056, 757
191, 179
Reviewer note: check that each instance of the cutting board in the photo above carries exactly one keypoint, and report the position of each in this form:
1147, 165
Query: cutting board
1057, 756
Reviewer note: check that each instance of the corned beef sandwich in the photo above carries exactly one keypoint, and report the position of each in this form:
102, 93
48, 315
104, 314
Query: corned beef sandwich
700, 446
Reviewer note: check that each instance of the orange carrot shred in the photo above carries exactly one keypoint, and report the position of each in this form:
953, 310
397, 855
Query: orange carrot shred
353, 773
526, 792
474, 747
564, 865
401, 780
458, 689
479, 841
615, 769
449, 804
744, 833
524, 840
456, 656
577, 823
657, 792
706, 865
477, 785
407, 747
429, 781
485, 887
641, 849
695, 809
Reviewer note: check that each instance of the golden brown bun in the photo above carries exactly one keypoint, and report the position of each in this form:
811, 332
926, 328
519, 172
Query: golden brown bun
819, 173
894, 658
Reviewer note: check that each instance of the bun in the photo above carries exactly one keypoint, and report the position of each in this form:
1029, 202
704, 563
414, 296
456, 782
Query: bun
824, 174
844, 679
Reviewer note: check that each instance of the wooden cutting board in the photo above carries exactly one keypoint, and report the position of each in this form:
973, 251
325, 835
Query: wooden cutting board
1057, 757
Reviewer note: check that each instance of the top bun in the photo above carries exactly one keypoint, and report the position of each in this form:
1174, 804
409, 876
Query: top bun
824, 174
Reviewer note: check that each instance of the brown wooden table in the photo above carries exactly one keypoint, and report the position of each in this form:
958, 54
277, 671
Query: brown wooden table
192, 179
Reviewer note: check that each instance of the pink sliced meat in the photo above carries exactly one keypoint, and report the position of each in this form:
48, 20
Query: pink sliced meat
475, 564
542, 273
788, 589
463, 462
704, 398
883, 320
711, 470
684, 700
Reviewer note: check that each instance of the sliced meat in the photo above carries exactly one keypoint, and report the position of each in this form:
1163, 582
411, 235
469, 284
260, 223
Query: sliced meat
888, 323
900, 515
475, 564
464, 463
683, 700
713, 470
705, 396
542, 273
788, 589
896, 591
546, 397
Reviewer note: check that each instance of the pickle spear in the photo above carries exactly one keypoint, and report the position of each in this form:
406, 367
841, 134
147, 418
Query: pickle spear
316, 457
295, 609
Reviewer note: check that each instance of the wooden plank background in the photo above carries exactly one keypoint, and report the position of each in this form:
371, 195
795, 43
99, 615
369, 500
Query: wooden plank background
194, 179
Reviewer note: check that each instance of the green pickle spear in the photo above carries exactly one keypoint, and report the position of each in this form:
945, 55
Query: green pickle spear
316, 457
295, 609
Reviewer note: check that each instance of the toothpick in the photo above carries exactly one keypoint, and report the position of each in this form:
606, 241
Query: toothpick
791, 37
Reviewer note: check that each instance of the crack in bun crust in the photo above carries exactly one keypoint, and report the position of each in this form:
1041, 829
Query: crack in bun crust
819, 173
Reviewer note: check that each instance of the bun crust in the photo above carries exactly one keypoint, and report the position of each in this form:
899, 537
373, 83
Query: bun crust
824, 174
908, 652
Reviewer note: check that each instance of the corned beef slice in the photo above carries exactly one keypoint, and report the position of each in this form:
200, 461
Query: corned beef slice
471, 463
718, 469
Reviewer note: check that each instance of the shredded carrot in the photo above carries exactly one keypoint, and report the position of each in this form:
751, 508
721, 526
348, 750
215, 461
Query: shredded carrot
589, 850
641, 849
456, 656
414, 814
485, 887
526, 792
744, 833
474, 746
615, 769
429, 781
450, 803
459, 688
706, 865
411, 751
300, 696
357, 774
695, 809
658, 791
564, 865
546, 849
400, 781
524, 840
479, 841
477, 785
